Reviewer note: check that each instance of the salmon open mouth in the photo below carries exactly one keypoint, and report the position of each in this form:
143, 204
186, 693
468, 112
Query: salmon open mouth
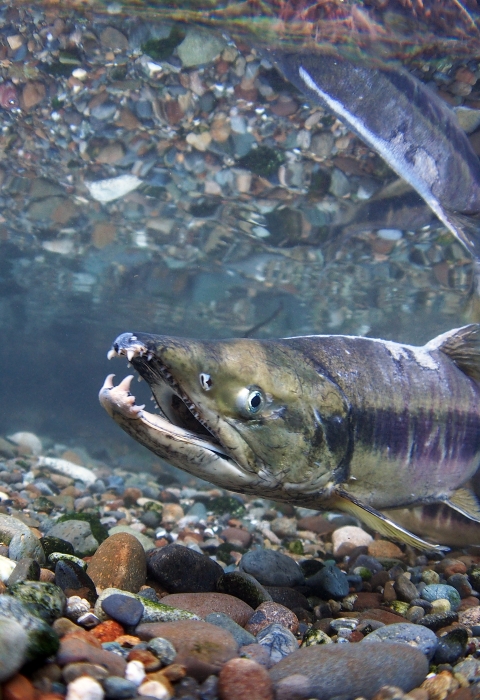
178, 417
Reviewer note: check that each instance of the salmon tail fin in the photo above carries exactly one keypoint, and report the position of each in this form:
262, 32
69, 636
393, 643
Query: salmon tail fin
462, 345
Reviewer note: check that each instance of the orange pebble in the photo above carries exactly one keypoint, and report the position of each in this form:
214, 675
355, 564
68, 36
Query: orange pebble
128, 640
174, 672
149, 660
107, 631
85, 636
18, 688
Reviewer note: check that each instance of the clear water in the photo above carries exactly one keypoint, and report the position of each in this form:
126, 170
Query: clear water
248, 215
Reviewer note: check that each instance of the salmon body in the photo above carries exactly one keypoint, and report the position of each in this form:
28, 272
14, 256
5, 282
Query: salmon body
328, 422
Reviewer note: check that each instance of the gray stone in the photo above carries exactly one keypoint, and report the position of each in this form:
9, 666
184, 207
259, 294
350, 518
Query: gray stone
405, 589
339, 185
146, 542
117, 688
406, 633
322, 144
163, 650
241, 636
13, 647
351, 670
199, 47
329, 582
278, 640
78, 533
272, 568
438, 591
20, 539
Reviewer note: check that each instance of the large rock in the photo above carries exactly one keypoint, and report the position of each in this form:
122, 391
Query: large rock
119, 562
348, 670
271, 568
203, 604
182, 570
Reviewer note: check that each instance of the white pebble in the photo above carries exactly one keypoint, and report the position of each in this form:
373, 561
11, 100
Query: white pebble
6, 568
68, 469
154, 689
347, 538
84, 688
112, 188
389, 234
27, 440
135, 672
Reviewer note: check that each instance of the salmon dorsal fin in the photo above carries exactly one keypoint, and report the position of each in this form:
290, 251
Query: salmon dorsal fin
465, 502
462, 345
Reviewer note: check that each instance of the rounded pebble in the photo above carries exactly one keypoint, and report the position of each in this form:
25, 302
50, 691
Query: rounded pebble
436, 591
406, 633
244, 679
271, 568
84, 688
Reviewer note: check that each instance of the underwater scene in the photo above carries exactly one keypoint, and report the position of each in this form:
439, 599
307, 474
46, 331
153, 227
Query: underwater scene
269, 212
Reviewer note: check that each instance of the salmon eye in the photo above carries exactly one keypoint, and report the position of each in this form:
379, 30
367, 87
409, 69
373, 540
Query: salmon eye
250, 401
205, 381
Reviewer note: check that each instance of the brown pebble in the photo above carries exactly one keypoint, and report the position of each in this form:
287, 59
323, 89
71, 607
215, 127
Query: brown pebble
131, 496
202, 604
63, 626
128, 640
73, 648
284, 106
173, 672
389, 692
366, 600
47, 576
316, 523
149, 660
384, 548
440, 685
111, 38
244, 679
127, 120
237, 536
201, 647
465, 75
268, 613
119, 562
81, 668
103, 234
171, 514
33, 93
18, 688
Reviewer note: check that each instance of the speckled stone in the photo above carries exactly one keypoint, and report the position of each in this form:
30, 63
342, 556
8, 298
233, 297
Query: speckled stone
46, 600
269, 613
352, 670
201, 647
244, 679
278, 641
119, 562
181, 570
205, 603
437, 591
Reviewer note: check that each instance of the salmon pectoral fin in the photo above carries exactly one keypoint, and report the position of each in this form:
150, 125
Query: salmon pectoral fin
465, 502
379, 522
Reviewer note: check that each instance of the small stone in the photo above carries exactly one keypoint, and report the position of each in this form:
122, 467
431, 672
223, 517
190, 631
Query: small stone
126, 610
329, 582
405, 589
314, 636
81, 668
119, 688
244, 679
199, 47
111, 38
73, 580
440, 590
153, 610
241, 636
107, 631
155, 689
406, 633
150, 662
322, 144
452, 644
430, 577
135, 672
385, 549
119, 562
440, 685
199, 141
85, 688
112, 188
205, 603
78, 533
74, 648
332, 670
27, 569
181, 570
347, 538
163, 649
271, 568
18, 688
440, 606
32, 94
237, 536
284, 106
269, 613
278, 641
13, 647
470, 617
